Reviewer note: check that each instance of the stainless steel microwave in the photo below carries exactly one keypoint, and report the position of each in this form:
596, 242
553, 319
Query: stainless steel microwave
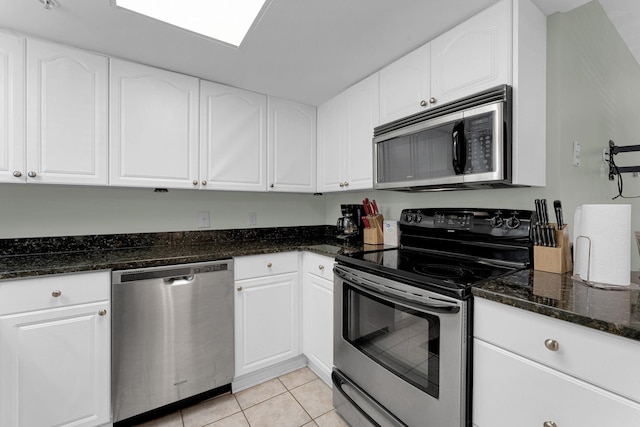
463, 144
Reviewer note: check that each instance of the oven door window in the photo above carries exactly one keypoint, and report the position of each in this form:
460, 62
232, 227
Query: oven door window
403, 340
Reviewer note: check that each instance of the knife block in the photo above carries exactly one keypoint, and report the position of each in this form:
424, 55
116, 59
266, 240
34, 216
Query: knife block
554, 260
374, 235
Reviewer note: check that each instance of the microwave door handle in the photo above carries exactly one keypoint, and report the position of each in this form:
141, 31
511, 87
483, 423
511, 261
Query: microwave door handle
459, 148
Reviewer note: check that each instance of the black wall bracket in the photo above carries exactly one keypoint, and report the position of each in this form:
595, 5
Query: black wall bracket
615, 149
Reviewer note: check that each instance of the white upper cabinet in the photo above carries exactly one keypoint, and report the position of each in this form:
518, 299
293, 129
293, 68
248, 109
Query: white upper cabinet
473, 56
153, 127
233, 138
405, 85
12, 105
469, 58
345, 134
291, 146
66, 115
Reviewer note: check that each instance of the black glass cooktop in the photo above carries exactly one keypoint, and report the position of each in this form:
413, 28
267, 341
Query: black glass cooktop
446, 273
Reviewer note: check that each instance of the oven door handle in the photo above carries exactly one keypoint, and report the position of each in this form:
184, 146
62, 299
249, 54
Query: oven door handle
399, 297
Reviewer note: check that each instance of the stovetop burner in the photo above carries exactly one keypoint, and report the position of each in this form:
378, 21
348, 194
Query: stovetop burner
450, 250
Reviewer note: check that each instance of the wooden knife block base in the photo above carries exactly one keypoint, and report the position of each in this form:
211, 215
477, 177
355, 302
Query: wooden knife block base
374, 235
554, 260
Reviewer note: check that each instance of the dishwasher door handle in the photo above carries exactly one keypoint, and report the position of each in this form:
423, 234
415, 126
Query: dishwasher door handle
180, 280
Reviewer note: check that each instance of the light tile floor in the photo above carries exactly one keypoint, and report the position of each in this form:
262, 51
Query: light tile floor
296, 399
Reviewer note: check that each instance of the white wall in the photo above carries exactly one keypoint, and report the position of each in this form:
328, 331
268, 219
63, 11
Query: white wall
43, 210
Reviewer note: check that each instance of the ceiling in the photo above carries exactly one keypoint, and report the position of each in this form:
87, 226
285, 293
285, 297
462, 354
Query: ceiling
304, 50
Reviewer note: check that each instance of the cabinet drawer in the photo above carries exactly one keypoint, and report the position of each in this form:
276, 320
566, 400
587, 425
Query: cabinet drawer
318, 265
39, 292
600, 358
510, 390
248, 267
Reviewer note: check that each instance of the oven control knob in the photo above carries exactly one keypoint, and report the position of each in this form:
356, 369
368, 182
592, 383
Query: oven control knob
497, 221
418, 218
409, 218
513, 222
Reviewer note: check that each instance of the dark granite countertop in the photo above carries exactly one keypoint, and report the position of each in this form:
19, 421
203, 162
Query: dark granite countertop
616, 311
21, 258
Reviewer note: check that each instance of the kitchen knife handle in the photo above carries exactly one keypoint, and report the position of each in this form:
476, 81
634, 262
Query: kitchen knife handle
557, 206
545, 211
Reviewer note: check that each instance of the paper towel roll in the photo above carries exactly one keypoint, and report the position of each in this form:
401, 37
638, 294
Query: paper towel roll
602, 244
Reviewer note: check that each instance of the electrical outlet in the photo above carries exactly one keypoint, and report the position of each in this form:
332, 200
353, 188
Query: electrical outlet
204, 220
576, 153
253, 218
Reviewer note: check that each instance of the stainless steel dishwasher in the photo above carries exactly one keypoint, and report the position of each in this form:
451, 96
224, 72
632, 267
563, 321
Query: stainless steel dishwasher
172, 335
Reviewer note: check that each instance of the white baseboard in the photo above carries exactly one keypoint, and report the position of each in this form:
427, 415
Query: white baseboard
266, 374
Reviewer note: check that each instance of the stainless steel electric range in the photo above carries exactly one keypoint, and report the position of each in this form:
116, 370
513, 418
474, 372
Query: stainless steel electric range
403, 317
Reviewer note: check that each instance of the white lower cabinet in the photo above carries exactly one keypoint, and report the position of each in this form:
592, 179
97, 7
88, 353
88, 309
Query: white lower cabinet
533, 370
317, 313
56, 350
267, 314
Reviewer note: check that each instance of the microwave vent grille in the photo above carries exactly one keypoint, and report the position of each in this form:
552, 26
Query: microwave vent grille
496, 94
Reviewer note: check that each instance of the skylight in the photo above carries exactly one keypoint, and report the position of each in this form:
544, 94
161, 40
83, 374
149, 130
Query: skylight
224, 20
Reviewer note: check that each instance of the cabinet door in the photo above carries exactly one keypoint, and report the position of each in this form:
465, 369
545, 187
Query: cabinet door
153, 127
363, 115
473, 56
405, 85
66, 115
55, 367
292, 146
332, 133
509, 390
12, 105
317, 314
233, 143
266, 321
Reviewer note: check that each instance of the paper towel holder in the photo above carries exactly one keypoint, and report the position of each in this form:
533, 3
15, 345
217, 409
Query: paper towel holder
587, 281
617, 170
577, 276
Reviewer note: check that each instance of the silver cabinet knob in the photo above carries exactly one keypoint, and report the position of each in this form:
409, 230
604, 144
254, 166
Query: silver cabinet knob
195, 182
204, 182
32, 174
321, 267
346, 184
432, 100
269, 265
549, 424
102, 312
17, 174
239, 288
342, 184
56, 293
552, 345
272, 185
423, 103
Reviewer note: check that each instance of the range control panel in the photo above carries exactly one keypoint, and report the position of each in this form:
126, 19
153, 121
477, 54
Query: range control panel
493, 222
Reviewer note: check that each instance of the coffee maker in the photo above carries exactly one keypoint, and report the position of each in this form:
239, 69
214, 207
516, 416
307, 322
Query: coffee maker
350, 226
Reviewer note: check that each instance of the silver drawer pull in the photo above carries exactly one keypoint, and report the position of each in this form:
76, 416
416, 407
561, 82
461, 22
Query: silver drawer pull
56, 293
102, 312
321, 267
552, 345
239, 288
269, 265
549, 424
